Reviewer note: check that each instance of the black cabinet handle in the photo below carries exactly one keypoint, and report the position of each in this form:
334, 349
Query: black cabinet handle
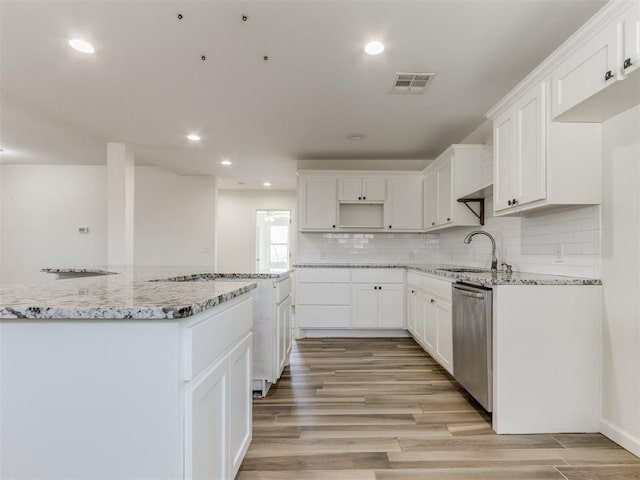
389, 226
364, 198
433, 223
379, 288
433, 301
359, 198
627, 63
333, 226
508, 202
608, 75
448, 219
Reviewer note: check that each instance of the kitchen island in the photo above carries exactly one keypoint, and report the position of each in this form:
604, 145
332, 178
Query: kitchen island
125, 375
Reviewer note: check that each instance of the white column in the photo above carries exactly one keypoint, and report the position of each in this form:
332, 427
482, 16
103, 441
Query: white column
120, 191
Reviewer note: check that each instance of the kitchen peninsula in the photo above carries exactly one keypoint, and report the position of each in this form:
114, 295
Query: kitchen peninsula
126, 375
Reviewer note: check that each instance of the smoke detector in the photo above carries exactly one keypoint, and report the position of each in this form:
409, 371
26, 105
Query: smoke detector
411, 82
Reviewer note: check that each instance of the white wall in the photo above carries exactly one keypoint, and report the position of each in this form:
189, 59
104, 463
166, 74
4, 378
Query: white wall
174, 218
236, 225
42, 208
621, 279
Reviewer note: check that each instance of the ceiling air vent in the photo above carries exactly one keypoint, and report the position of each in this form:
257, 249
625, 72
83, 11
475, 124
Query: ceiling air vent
411, 82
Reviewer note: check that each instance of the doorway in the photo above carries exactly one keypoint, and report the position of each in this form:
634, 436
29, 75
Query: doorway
273, 251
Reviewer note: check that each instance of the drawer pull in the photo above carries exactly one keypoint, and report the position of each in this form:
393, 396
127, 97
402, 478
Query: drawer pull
627, 63
608, 75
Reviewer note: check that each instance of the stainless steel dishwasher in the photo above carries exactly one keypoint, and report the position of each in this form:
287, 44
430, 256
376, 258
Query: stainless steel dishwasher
472, 332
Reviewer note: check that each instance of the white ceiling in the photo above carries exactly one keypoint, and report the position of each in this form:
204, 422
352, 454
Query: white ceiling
146, 84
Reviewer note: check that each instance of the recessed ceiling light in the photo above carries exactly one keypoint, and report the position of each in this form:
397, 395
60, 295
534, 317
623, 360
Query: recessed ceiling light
193, 137
355, 136
374, 48
225, 162
267, 184
81, 45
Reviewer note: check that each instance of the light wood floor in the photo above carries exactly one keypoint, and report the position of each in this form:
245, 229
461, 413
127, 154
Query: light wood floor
382, 409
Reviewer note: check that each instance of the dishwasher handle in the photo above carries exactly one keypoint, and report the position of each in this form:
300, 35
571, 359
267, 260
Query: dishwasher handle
468, 292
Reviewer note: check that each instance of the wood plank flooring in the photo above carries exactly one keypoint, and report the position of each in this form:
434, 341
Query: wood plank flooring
382, 409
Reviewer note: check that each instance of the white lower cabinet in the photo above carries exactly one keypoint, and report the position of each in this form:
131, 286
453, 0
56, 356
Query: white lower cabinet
206, 408
271, 328
283, 334
444, 335
218, 416
240, 399
351, 299
431, 321
378, 306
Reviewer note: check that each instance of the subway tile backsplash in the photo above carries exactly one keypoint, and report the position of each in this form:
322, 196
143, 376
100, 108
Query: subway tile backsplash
561, 243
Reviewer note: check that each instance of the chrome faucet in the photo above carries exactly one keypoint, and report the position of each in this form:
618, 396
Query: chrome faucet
494, 259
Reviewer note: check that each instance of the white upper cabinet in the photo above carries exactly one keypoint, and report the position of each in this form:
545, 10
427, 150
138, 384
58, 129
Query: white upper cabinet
591, 69
631, 40
444, 205
598, 79
519, 136
357, 189
451, 176
430, 199
317, 205
354, 201
403, 210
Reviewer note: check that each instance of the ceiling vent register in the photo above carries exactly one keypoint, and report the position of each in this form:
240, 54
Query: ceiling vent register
411, 82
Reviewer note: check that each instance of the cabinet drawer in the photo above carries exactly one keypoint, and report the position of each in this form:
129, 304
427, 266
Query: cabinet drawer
433, 286
323, 294
207, 340
377, 275
313, 316
414, 279
283, 289
324, 275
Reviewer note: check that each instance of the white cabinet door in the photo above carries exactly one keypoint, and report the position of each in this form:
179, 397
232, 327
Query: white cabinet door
240, 403
430, 332
444, 345
365, 306
430, 200
591, 69
445, 193
503, 161
206, 425
631, 40
350, 189
283, 337
403, 209
531, 155
412, 310
318, 203
391, 306
374, 189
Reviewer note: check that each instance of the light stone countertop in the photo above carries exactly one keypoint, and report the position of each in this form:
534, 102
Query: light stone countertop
484, 278
126, 293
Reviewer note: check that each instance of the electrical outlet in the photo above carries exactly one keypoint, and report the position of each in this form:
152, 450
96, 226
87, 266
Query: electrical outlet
558, 251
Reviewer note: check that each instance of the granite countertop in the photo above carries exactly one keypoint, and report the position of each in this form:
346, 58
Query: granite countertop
482, 278
125, 293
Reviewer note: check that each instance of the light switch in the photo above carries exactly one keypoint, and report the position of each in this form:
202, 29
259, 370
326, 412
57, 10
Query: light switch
83, 229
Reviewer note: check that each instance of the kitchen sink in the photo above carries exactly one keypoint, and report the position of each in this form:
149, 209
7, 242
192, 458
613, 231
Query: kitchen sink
464, 270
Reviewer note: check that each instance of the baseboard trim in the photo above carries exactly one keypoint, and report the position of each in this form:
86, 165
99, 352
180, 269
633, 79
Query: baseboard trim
620, 436
360, 333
